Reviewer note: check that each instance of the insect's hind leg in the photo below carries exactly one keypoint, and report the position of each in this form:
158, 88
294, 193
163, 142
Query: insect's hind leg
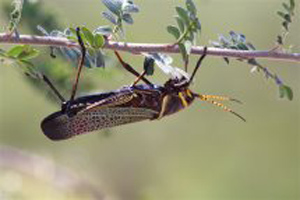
133, 71
208, 98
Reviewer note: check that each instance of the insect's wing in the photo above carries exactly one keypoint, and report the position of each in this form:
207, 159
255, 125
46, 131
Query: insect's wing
59, 126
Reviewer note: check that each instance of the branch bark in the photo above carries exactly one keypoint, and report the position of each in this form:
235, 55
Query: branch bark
147, 47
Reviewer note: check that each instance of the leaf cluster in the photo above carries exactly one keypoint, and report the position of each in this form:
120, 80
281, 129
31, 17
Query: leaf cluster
238, 42
188, 26
287, 16
119, 11
93, 40
15, 15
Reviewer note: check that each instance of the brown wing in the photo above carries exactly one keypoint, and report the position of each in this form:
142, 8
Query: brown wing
59, 126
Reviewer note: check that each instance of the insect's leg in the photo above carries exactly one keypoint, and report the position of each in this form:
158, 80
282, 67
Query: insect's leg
80, 64
165, 101
133, 71
226, 109
56, 92
220, 98
198, 64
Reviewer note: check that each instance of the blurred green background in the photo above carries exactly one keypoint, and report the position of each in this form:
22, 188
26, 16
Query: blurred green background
200, 153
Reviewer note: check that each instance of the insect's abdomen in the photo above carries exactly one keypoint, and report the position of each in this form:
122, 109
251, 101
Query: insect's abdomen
59, 126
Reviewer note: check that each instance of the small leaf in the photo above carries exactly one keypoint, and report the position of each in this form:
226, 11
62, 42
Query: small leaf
129, 7
286, 7
42, 30
242, 46
174, 31
183, 15
191, 7
292, 4
103, 30
226, 60
288, 18
180, 23
281, 14
197, 23
16, 51
88, 35
285, 24
253, 62
250, 46
149, 66
73, 31
127, 18
115, 6
98, 41
110, 17
286, 91
279, 40
233, 36
28, 54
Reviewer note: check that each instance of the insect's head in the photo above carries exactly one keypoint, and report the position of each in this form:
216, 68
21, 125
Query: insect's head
182, 83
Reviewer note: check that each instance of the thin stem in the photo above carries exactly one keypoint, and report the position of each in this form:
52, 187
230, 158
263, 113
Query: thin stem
144, 47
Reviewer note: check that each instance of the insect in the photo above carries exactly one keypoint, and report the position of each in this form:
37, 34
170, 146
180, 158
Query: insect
129, 104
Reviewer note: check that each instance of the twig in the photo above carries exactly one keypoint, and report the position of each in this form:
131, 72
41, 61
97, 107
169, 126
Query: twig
147, 47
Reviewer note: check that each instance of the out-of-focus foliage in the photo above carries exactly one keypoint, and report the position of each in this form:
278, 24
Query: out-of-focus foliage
15, 15
119, 11
287, 16
239, 42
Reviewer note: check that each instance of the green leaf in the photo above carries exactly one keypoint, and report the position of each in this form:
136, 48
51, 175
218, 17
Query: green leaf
279, 40
127, 18
191, 7
149, 66
288, 18
286, 7
180, 23
174, 31
286, 91
88, 35
183, 14
28, 54
16, 51
242, 46
129, 7
292, 5
285, 24
226, 60
103, 30
110, 17
115, 6
15, 15
98, 41
281, 14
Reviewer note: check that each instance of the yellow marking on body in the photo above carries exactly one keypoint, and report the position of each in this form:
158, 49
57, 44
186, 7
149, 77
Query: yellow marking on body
189, 93
164, 106
183, 100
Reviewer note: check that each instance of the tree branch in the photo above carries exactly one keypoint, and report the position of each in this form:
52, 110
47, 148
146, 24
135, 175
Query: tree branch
147, 47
